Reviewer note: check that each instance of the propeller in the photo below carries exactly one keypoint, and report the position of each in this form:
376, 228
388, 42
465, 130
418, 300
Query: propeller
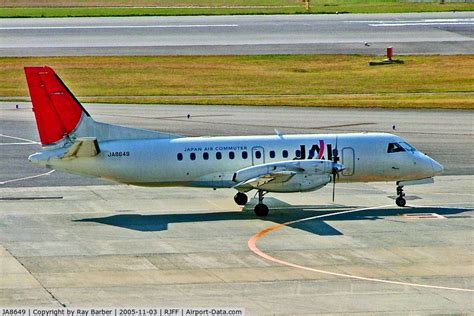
335, 170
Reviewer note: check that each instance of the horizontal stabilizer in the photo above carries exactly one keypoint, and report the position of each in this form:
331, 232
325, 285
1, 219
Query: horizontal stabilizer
83, 147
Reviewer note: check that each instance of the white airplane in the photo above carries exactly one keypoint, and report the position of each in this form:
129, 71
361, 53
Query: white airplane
73, 142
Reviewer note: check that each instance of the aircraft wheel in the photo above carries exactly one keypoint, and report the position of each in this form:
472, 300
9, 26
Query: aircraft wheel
261, 210
401, 201
241, 198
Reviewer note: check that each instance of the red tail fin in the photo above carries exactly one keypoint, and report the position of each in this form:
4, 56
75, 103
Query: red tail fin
56, 109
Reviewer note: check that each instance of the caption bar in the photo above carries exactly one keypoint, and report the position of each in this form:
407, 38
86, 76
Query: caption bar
121, 311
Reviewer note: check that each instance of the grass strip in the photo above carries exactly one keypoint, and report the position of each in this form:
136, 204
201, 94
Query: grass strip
302, 80
59, 8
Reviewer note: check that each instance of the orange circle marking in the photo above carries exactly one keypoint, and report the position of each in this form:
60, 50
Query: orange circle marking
252, 244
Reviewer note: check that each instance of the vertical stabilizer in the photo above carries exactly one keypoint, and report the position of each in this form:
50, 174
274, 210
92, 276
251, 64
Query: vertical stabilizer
56, 109
61, 118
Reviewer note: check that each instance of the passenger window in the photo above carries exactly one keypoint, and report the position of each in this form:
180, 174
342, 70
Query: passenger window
258, 154
218, 155
231, 155
394, 148
285, 153
272, 154
205, 156
180, 156
244, 155
298, 153
192, 156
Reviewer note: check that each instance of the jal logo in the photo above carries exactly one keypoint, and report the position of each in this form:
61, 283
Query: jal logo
317, 151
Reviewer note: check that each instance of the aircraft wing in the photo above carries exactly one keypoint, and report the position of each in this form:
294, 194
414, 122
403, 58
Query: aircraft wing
83, 147
275, 177
281, 173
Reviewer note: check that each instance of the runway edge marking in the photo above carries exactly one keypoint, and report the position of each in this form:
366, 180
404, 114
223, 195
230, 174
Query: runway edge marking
252, 244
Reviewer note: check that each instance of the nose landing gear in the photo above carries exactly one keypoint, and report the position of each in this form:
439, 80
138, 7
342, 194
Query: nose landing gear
400, 200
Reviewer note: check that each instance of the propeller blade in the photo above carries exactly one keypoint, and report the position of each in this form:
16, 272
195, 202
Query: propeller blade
335, 171
333, 187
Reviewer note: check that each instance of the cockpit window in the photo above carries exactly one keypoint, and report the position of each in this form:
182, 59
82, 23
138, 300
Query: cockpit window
407, 146
394, 148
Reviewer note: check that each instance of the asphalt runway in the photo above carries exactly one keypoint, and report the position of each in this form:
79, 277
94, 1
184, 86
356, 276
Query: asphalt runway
73, 241
409, 33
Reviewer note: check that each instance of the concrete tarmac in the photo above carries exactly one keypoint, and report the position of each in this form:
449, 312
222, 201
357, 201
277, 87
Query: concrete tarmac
68, 241
409, 33
181, 247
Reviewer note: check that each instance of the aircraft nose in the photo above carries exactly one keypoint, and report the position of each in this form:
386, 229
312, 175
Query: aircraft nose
437, 167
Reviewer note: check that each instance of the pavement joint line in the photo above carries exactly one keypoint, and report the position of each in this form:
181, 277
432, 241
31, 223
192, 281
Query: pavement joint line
252, 244
36, 279
31, 198
214, 204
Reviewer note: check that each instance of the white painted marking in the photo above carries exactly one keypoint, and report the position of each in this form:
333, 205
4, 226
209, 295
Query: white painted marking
414, 21
423, 216
28, 178
20, 138
10, 144
451, 193
253, 240
94, 27
420, 24
435, 206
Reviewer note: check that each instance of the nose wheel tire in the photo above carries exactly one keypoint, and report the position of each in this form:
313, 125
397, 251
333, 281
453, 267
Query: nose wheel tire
241, 198
401, 201
261, 210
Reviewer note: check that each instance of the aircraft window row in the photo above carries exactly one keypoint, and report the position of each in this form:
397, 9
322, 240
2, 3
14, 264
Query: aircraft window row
232, 155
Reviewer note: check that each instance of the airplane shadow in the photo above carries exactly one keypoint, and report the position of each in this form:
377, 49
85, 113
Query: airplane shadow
280, 212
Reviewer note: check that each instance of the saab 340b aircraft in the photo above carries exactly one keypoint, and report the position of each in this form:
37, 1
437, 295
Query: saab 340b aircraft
73, 142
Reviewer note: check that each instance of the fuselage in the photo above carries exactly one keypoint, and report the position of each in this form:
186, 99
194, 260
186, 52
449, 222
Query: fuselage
212, 161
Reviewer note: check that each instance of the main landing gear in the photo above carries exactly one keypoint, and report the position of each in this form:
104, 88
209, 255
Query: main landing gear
241, 198
400, 200
261, 209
